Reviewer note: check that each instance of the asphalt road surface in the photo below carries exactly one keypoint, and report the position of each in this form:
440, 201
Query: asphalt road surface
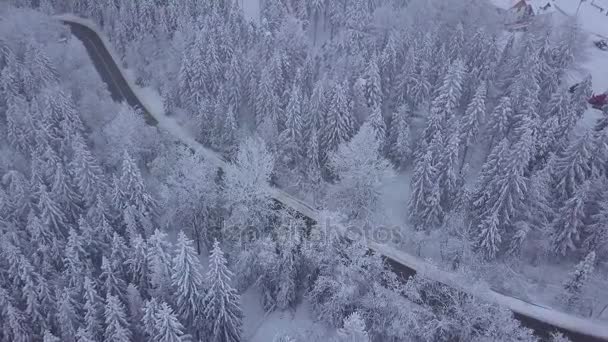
121, 91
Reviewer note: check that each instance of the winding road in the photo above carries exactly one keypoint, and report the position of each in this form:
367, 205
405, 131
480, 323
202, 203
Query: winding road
541, 319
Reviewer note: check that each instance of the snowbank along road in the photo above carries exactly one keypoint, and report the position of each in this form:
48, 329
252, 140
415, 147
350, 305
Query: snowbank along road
543, 320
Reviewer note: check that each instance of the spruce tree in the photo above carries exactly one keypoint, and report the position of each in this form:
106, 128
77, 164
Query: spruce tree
168, 328
573, 167
221, 307
573, 287
110, 275
86, 171
399, 145
133, 188
499, 121
338, 123
67, 317
569, 225
373, 86
117, 327
424, 207
93, 310
159, 263
472, 119
187, 280
377, 122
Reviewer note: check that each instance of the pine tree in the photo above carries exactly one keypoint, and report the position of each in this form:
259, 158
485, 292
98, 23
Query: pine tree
75, 260
50, 212
291, 137
450, 92
151, 308
168, 328
373, 86
313, 170
569, 225
117, 327
498, 122
112, 282
338, 123
489, 239
137, 264
472, 119
159, 263
133, 188
578, 279
399, 149
377, 122
86, 171
596, 233
67, 316
580, 97
187, 280
353, 329
424, 207
93, 310
572, 167
221, 308
64, 193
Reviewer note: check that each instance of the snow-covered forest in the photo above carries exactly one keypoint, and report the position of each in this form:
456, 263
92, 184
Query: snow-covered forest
423, 116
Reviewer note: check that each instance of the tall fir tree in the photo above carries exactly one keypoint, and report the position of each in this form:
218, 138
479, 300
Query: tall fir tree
117, 327
578, 278
221, 307
569, 225
187, 280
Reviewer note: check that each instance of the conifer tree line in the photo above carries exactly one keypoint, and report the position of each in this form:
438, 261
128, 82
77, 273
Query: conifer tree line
311, 74
317, 97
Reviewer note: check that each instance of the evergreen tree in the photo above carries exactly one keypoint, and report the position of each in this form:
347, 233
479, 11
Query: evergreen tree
93, 310
86, 171
133, 188
64, 193
572, 167
75, 260
449, 93
498, 122
578, 279
424, 207
50, 212
221, 308
377, 122
569, 225
187, 280
291, 137
159, 263
489, 238
596, 233
338, 123
112, 282
137, 263
168, 327
117, 327
472, 119
399, 149
151, 308
353, 329
67, 316
373, 86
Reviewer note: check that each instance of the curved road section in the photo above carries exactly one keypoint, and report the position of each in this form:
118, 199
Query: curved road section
541, 319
